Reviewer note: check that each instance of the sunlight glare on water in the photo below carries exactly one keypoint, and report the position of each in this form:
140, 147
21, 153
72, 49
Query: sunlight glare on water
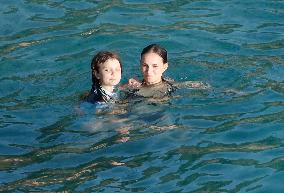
226, 137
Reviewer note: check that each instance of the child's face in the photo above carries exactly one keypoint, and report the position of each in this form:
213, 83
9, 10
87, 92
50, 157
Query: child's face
109, 73
152, 68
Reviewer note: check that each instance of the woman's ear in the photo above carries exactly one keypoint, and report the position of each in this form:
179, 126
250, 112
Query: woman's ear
165, 67
96, 74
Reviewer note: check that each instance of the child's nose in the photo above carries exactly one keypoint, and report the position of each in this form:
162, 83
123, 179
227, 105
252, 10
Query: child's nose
112, 72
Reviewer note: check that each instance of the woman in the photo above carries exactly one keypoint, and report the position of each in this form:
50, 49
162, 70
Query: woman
153, 62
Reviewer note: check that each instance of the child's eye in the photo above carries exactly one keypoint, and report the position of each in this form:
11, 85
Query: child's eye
106, 70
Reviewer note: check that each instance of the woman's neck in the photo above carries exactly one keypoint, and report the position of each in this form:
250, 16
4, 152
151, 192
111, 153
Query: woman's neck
152, 83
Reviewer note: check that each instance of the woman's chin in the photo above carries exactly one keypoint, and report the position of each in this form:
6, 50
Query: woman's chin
149, 79
150, 82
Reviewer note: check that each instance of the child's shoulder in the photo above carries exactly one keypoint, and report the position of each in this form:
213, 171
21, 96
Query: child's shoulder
84, 96
91, 97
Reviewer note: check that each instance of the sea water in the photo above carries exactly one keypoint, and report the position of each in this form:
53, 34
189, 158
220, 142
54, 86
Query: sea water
226, 138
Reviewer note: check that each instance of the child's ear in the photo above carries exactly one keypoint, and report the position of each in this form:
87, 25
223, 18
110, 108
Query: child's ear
97, 75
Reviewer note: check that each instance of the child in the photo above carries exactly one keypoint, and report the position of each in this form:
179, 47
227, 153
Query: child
106, 74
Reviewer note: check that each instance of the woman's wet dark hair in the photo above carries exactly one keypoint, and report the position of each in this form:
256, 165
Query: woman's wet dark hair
157, 49
100, 58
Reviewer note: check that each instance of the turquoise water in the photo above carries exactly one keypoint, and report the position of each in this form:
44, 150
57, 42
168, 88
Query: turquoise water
228, 138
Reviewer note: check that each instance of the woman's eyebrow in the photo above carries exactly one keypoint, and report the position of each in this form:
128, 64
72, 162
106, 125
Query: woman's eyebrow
149, 64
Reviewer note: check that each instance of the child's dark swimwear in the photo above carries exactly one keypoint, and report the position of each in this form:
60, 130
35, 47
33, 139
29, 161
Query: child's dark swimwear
100, 95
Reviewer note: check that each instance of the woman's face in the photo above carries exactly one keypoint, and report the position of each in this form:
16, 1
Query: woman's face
152, 68
109, 73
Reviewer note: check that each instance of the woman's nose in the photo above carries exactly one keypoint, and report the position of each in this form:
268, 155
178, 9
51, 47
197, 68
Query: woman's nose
149, 69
